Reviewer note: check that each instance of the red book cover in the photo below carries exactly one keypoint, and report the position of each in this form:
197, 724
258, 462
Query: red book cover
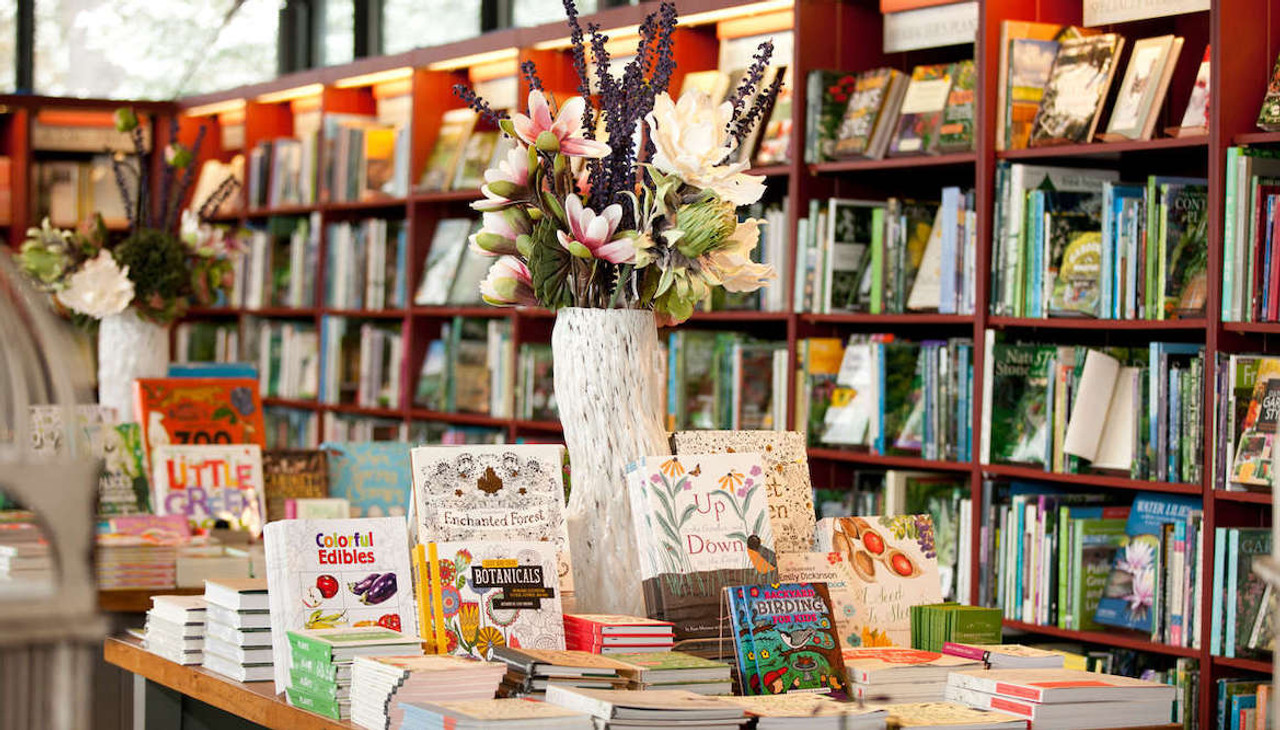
606, 624
1273, 279
199, 411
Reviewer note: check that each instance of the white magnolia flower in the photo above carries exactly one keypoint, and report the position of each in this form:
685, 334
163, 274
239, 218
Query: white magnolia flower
730, 264
691, 138
99, 289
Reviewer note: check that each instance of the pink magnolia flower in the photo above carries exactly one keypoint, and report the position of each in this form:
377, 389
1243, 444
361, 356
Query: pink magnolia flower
594, 233
512, 173
495, 238
566, 127
508, 284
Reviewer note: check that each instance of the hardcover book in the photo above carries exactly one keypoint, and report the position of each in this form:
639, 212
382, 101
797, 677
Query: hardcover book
337, 573
702, 523
1016, 426
1142, 90
442, 165
199, 411
786, 465
210, 483
1196, 115
1246, 546
123, 487
448, 244
828, 95
1252, 465
1029, 62
832, 570
955, 134
774, 147
894, 565
293, 474
1129, 597
862, 115
787, 639
493, 493
373, 476
922, 108
1184, 249
1077, 86
495, 594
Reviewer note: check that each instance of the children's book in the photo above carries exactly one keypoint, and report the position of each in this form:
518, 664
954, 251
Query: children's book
893, 563
786, 639
337, 573
49, 433
199, 411
373, 476
293, 474
123, 487
831, 569
1129, 597
210, 483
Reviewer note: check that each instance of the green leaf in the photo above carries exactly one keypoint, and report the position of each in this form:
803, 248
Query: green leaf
223, 413
736, 536
755, 529
688, 512
550, 267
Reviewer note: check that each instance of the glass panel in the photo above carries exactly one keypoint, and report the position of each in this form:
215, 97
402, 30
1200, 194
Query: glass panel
148, 49
408, 24
8, 43
539, 12
339, 32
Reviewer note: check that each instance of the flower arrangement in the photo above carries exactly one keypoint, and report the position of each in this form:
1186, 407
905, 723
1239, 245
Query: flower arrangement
158, 271
644, 217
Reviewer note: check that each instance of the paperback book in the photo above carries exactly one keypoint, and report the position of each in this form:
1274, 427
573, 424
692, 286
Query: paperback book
373, 476
186, 411
785, 639
210, 483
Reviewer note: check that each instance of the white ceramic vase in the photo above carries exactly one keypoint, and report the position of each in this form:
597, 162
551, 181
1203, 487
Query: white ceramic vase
609, 392
128, 348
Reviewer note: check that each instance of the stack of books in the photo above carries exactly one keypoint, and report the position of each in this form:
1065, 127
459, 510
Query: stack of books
933, 625
175, 628
130, 561
892, 674
380, 684
320, 675
1006, 656
238, 632
676, 670
25, 560
1065, 697
530, 672
663, 708
949, 715
805, 711
491, 714
607, 634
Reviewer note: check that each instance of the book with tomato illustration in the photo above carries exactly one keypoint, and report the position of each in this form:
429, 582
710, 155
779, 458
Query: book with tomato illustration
210, 483
786, 639
199, 411
337, 573
702, 524
373, 476
293, 474
495, 594
893, 564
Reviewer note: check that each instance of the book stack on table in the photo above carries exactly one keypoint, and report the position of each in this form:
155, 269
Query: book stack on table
381, 684
25, 561
491, 715
531, 671
320, 675
808, 711
655, 709
949, 716
892, 674
1006, 656
676, 670
1065, 697
608, 634
238, 634
175, 628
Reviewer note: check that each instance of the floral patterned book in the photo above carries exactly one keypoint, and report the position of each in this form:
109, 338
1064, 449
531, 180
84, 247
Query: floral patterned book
495, 594
208, 483
199, 411
498, 493
894, 566
702, 524
786, 462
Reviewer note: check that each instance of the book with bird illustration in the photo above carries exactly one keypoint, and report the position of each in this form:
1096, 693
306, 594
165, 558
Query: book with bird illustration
198, 411
893, 563
702, 523
785, 638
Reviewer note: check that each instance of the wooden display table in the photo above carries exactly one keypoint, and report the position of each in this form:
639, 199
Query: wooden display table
255, 702
138, 600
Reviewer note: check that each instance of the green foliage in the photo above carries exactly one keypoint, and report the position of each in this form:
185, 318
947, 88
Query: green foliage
160, 272
550, 267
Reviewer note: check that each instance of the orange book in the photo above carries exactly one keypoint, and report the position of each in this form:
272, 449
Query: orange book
199, 411
897, 6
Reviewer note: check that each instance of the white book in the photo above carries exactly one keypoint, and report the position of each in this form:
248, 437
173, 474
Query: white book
238, 672
178, 609
230, 635
242, 620
1091, 405
1077, 715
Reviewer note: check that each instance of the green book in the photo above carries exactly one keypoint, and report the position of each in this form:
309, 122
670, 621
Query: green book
877, 260
322, 670
1245, 588
314, 703
316, 686
343, 645
1017, 423
956, 131
1094, 543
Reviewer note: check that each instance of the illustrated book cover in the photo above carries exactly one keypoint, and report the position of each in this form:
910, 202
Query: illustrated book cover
293, 474
210, 483
199, 411
373, 476
1129, 597
786, 639
1078, 84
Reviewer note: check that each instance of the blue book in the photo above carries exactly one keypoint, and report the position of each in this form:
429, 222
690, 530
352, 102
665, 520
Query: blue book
1240, 703
1228, 689
1128, 600
1219, 583
213, 370
374, 477
947, 218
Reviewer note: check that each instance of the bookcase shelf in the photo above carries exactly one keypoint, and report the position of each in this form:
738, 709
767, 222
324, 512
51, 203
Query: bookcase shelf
1124, 640
887, 461
546, 426
1247, 497
771, 170
370, 411
1256, 138
480, 311
894, 163
363, 206
1102, 481
307, 404
284, 210
1249, 665
1071, 323
366, 313
282, 312
1256, 328
888, 320
1106, 149
461, 419
444, 196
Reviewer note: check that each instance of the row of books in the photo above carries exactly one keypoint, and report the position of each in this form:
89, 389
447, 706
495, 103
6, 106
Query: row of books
291, 428
1244, 434
364, 157
1076, 242
288, 359
1244, 614
888, 258
887, 394
196, 341
886, 112
68, 192
725, 380
1067, 408
360, 363
282, 172
470, 368
1244, 704
278, 268
1249, 254
366, 264
453, 271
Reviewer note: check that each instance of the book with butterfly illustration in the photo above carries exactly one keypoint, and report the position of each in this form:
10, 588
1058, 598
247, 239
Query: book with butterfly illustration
893, 564
785, 639
702, 524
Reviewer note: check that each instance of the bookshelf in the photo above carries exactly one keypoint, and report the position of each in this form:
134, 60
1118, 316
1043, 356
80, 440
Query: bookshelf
842, 34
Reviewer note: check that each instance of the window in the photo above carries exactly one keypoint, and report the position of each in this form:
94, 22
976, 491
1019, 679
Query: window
539, 12
152, 50
8, 45
409, 24
339, 32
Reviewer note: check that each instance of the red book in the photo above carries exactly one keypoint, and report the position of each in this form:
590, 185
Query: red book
1273, 278
199, 411
611, 625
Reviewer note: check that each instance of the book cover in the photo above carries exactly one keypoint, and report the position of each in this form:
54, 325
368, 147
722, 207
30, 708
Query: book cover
1143, 87
828, 95
493, 493
495, 594
48, 430
1094, 544
702, 524
862, 113
848, 251
786, 475
946, 714
1017, 421
1030, 60
894, 566
199, 411
1077, 86
448, 243
1184, 250
455, 128
477, 154
123, 487
1130, 593
832, 570
210, 483
1250, 544
293, 474
1196, 114
373, 476
791, 636
922, 109
337, 573
774, 144
1072, 231
955, 133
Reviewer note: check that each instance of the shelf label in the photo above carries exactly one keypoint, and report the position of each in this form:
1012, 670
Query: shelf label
942, 25
1105, 12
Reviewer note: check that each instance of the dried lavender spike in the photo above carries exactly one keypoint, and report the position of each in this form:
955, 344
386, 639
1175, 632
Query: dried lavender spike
530, 71
755, 115
751, 81
144, 177
479, 105
219, 195
171, 213
118, 168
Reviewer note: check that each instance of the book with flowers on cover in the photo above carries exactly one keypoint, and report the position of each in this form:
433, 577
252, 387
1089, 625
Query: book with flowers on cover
495, 594
893, 565
702, 524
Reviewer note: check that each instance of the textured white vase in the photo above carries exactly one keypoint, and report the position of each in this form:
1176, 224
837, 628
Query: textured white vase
609, 392
128, 348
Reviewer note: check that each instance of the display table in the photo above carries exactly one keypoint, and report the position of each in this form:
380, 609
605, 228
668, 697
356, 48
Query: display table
138, 600
169, 684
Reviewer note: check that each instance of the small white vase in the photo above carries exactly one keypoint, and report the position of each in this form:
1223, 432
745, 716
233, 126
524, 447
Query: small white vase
128, 348
609, 392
